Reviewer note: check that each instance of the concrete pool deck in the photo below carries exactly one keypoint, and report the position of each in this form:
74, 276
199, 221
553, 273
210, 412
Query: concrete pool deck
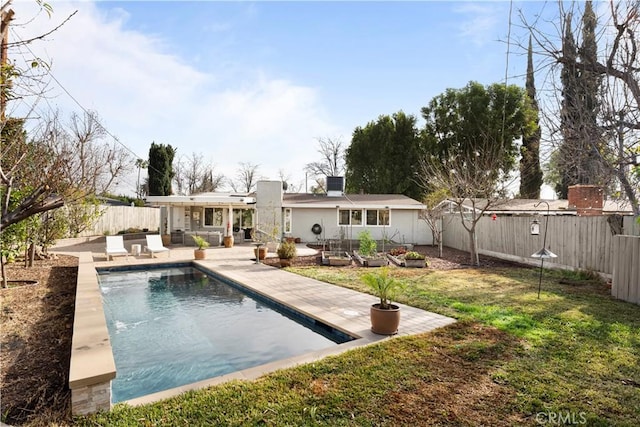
341, 308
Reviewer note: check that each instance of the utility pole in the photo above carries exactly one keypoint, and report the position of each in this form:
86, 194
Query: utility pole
6, 17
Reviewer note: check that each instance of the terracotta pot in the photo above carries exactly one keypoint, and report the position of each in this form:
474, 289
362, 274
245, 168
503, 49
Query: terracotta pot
166, 239
199, 254
228, 241
385, 322
263, 252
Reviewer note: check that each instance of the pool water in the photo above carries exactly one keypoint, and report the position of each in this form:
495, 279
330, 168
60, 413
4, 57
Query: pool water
175, 326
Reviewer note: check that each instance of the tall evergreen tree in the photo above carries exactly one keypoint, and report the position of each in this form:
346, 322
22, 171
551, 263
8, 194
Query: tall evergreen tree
569, 114
530, 171
160, 169
579, 158
383, 157
590, 83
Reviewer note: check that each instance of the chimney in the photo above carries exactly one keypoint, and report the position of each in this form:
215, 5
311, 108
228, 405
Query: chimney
587, 200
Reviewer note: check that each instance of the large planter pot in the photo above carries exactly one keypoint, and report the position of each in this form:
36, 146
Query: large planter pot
166, 239
199, 254
385, 322
228, 241
262, 252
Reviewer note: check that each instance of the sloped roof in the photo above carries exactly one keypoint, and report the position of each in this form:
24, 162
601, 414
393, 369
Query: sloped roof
557, 207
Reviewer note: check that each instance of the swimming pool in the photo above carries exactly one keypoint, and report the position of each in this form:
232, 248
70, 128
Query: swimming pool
177, 325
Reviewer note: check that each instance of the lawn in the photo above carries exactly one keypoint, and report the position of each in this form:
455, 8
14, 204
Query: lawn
570, 357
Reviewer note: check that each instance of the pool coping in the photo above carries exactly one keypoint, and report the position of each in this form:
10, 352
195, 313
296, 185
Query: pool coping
93, 367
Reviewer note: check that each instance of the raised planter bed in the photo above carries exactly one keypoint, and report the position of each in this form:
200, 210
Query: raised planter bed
378, 261
411, 263
336, 258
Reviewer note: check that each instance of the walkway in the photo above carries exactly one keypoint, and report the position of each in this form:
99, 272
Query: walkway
341, 308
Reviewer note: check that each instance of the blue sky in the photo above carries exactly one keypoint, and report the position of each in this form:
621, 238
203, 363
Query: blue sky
260, 82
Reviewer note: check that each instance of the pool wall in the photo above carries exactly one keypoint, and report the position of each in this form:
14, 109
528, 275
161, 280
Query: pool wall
92, 366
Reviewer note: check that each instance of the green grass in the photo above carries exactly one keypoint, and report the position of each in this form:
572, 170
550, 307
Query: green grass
575, 351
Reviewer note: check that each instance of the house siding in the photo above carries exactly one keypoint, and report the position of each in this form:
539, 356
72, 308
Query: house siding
404, 227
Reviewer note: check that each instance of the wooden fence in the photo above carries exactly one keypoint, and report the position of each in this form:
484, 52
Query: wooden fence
584, 243
626, 268
117, 218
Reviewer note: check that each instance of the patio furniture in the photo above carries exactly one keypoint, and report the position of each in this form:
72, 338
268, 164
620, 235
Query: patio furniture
154, 244
115, 246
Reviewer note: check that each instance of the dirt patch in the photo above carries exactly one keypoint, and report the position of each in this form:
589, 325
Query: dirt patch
37, 322
451, 259
460, 389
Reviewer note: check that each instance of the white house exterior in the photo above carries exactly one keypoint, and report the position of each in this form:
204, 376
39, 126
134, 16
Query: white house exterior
310, 217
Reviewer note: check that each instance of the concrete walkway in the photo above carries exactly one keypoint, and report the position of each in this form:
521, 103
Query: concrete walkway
341, 308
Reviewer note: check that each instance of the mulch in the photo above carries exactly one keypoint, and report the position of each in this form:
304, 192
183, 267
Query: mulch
37, 326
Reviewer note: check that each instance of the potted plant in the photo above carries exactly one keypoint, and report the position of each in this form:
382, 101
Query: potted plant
228, 238
286, 251
385, 316
414, 259
202, 244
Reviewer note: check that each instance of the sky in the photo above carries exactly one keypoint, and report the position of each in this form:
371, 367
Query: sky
261, 82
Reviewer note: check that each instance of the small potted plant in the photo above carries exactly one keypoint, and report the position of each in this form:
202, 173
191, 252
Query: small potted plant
286, 251
414, 259
385, 316
202, 244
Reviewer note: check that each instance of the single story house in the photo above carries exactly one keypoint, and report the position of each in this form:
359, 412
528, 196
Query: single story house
313, 218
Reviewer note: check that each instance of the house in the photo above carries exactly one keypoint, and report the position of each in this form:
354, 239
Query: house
312, 218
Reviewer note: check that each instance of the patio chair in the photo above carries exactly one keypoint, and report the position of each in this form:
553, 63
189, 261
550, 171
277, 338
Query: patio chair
154, 244
115, 246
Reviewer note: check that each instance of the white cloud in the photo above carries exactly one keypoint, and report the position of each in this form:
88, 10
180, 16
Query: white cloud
145, 92
482, 22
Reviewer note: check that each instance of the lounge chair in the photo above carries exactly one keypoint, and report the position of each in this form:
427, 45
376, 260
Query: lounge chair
115, 246
154, 244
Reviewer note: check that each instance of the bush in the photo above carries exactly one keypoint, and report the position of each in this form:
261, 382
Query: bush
413, 255
368, 246
287, 250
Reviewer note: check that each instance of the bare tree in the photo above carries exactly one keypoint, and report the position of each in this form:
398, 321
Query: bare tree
57, 166
288, 187
475, 189
617, 67
331, 161
193, 175
246, 177
433, 214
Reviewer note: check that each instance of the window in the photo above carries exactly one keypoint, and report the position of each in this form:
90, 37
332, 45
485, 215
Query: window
287, 220
350, 217
343, 217
377, 216
213, 217
356, 217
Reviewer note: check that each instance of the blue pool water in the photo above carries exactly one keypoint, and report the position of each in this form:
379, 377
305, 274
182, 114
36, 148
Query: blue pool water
175, 326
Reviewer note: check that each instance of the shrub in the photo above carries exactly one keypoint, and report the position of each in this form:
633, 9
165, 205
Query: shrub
368, 246
287, 250
397, 251
413, 255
